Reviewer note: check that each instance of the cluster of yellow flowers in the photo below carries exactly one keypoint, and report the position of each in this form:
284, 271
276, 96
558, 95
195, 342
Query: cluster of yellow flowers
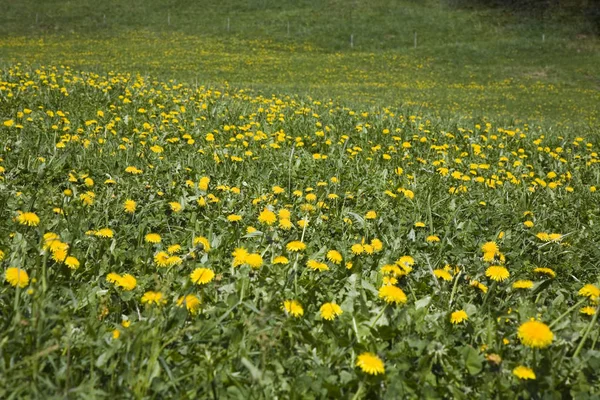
306, 208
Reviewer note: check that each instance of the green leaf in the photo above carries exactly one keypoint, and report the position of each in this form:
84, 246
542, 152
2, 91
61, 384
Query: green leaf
473, 360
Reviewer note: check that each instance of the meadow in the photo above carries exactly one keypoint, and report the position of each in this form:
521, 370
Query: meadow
188, 215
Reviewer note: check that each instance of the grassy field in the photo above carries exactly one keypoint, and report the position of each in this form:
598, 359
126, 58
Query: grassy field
189, 211
468, 63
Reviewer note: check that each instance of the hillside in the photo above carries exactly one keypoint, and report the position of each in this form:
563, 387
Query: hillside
467, 63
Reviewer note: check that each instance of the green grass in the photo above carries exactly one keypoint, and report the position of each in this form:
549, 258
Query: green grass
70, 140
472, 63
380, 151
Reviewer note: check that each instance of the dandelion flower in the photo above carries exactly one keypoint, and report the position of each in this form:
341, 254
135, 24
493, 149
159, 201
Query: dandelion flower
191, 302
535, 334
201, 240
370, 364
281, 260
202, 276
545, 271
239, 256
28, 219
293, 308
296, 245
524, 284
317, 265
152, 238
151, 297
432, 239
490, 247
497, 273
334, 256
406, 262
174, 248
254, 260
127, 282
479, 285
72, 262
161, 259
357, 249
129, 206
588, 310
589, 290
267, 217
458, 316
377, 245
523, 372
419, 224
330, 311
371, 214
285, 224
105, 233
392, 294
17, 277
234, 218
442, 274
175, 206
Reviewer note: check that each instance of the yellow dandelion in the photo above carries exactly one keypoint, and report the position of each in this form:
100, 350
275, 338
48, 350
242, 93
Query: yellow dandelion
191, 303
175, 206
545, 271
432, 239
267, 217
239, 256
317, 265
151, 297
535, 334
479, 285
161, 259
127, 282
174, 249
28, 219
105, 233
392, 294
357, 249
589, 290
201, 240
293, 308
442, 274
334, 256
370, 364
588, 310
497, 273
234, 218
458, 316
490, 247
129, 206
72, 262
406, 262
377, 245
152, 238
523, 372
295, 245
254, 260
16, 277
202, 276
281, 260
371, 214
330, 311
522, 284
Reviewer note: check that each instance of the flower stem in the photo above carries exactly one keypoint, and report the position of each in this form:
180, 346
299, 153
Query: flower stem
587, 332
